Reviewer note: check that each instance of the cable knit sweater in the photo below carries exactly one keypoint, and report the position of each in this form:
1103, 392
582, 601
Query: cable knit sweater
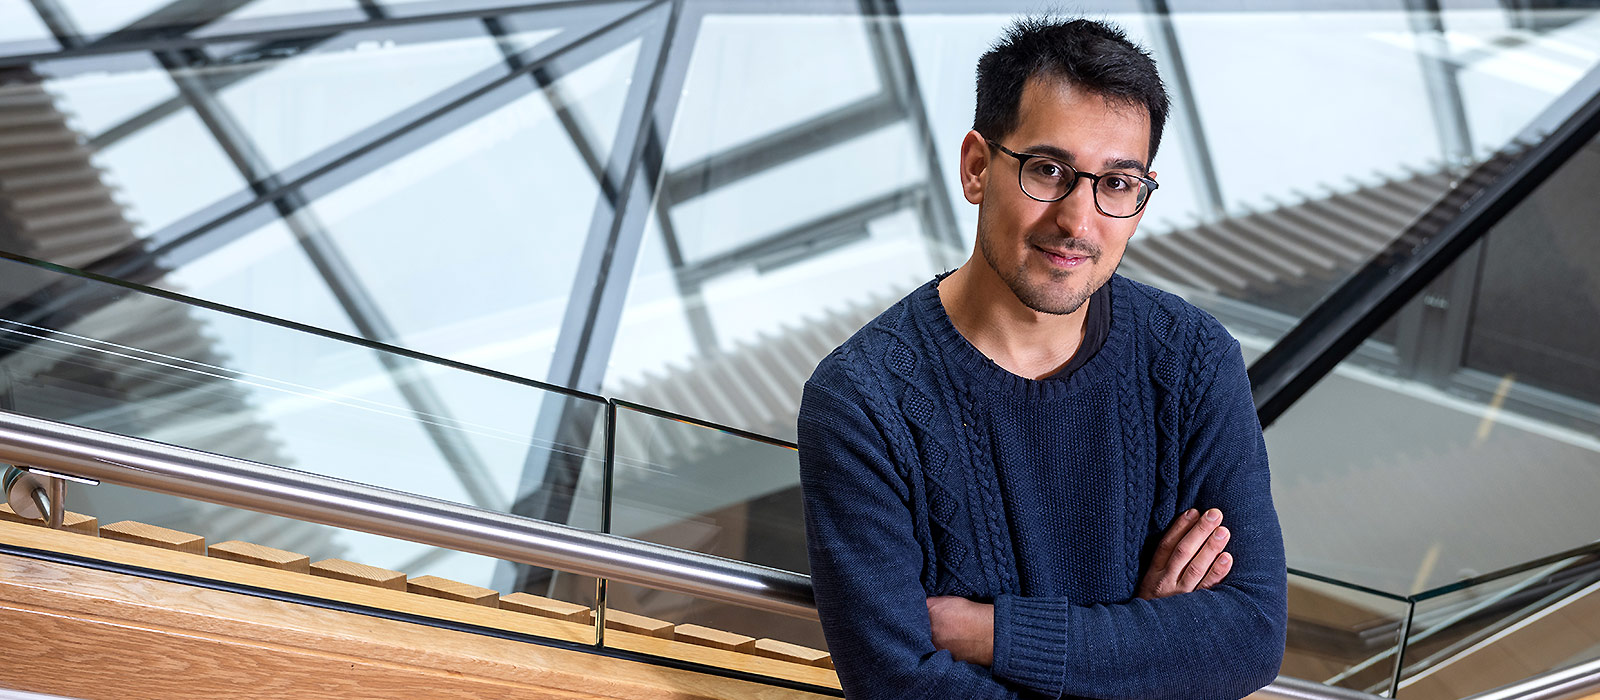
929, 470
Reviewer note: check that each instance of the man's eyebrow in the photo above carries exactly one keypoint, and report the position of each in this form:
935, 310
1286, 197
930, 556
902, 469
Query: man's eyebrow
1127, 163
1065, 156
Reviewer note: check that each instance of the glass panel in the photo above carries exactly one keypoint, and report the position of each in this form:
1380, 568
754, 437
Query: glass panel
21, 30
692, 486
115, 359
1488, 406
1541, 269
1502, 631
1511, 62
1340, 635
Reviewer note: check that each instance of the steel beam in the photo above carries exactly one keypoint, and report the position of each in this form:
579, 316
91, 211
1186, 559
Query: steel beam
779, 148
898, 74
809, 238
149, 43
605, 267
1185, 107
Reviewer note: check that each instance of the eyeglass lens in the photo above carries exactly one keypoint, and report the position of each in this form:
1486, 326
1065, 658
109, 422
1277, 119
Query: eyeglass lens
1116, 194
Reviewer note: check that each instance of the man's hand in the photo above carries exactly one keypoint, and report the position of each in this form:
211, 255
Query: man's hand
1189, 557
963, 628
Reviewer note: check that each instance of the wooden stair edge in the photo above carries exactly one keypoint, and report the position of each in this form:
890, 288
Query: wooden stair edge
99, 634
511, 619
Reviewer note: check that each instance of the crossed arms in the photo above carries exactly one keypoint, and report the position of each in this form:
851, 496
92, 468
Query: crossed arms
1220, 642
1190, 557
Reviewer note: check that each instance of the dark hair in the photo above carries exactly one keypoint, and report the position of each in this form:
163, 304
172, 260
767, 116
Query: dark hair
1092, 55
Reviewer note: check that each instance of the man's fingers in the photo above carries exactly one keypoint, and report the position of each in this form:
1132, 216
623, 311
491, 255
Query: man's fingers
1190, 545
1200, 564
1219, 570
1170, 540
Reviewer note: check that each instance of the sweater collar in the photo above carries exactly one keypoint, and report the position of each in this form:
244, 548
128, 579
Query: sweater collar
986, 375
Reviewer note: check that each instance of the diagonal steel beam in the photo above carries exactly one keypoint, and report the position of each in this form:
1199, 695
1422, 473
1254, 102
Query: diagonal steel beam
898, 72
150, 42
809, 238
778, 148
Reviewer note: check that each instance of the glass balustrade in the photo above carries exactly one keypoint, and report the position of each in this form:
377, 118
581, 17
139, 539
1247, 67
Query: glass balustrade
131, 362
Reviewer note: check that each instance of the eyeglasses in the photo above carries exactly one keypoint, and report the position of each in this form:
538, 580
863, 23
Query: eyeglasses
1117, 195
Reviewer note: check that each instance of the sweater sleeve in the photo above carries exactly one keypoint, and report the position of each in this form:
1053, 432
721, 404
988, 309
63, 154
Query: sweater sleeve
1221, 643
866, 562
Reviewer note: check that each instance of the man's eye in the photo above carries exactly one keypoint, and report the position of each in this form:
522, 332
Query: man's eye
1050, 169
1115, 183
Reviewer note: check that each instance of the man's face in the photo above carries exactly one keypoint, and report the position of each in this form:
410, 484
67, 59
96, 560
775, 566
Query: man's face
1054, 255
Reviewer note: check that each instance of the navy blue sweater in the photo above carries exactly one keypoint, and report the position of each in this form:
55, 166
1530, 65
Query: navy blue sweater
930, 470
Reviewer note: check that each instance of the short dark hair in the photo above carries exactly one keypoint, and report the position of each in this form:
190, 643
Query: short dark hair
1095, 56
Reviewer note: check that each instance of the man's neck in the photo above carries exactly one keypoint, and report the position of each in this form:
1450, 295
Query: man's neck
989, 315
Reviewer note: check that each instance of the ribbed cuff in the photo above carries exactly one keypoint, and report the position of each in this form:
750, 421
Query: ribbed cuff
1030, 642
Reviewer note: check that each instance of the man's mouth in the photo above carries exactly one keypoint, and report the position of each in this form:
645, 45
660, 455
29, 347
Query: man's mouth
1063, 258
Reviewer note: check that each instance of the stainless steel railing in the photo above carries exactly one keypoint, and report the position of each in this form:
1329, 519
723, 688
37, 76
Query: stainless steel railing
239, 483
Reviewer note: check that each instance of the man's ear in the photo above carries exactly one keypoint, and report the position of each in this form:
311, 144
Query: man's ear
974, 163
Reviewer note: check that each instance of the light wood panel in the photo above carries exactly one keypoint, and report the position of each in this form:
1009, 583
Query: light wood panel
341, 570
714, 638
95, 634
323, 587
454, 590
154, 536
547, 607
234, 550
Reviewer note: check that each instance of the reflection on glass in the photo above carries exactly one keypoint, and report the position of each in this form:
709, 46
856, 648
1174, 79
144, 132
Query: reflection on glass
1502, 631
1479, 435
1342, 636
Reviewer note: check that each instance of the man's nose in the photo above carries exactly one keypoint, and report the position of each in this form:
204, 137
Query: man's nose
1076, 213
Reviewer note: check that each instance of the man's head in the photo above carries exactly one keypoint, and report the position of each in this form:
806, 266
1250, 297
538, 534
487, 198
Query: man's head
1074, 93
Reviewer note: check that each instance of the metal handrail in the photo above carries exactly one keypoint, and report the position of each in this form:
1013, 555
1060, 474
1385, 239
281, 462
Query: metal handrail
239, 483
1286, 688
1580, 681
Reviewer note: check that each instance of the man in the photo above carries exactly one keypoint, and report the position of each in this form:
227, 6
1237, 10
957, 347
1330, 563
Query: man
1014, 478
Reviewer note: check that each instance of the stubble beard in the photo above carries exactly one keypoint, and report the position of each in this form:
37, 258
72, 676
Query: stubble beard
1057, 296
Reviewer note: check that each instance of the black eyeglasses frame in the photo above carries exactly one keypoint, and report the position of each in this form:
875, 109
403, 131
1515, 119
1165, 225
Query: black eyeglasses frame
1094, 180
